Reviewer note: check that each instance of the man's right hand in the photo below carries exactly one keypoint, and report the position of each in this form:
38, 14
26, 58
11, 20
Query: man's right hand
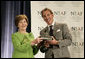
46, 44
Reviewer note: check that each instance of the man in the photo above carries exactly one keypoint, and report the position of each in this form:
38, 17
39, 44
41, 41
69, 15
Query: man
58, 47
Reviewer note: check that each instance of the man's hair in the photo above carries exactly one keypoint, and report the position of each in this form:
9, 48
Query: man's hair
20, 17
46, 10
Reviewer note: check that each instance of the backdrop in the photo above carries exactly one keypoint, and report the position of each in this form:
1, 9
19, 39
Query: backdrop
69, 12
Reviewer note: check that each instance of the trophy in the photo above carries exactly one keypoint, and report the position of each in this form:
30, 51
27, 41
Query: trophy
42, 47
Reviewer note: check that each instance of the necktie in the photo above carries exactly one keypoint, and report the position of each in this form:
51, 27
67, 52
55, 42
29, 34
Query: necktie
51, 31
51, 34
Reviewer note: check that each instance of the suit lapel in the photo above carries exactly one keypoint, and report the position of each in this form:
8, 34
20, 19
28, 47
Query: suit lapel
57, 31
45, 32
56, 27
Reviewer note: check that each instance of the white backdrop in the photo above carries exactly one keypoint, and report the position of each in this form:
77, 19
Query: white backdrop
70, 12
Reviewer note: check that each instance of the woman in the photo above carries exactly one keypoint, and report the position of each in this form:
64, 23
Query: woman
24, 42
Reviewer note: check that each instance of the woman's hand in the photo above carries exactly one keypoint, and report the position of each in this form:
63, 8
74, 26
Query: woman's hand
36, 41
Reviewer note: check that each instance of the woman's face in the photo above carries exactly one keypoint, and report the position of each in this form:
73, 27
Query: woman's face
22, 25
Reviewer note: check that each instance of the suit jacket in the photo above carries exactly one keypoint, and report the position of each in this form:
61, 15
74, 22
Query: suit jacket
62, 34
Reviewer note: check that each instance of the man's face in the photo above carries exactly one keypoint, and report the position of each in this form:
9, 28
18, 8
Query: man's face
48, 17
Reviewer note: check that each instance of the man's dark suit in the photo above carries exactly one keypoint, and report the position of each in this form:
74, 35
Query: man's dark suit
61, 33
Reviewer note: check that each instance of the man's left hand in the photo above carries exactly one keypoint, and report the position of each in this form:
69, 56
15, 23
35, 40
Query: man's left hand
53, 42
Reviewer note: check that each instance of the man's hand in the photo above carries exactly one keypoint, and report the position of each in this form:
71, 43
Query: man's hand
53, 42
46, 44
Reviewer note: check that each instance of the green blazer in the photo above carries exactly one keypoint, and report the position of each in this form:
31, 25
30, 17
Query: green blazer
22, 47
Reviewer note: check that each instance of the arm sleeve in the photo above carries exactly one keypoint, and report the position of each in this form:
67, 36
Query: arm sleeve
67, 38
35, 48
17, 44
31, 36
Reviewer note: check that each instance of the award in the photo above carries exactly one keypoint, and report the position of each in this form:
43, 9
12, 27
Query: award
42, 47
